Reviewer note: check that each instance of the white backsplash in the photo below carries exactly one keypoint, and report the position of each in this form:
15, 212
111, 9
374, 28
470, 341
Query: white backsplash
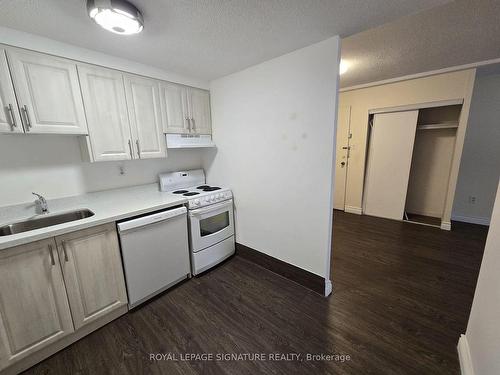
52, 165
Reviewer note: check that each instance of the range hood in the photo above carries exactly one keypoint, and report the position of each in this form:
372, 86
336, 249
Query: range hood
189, 141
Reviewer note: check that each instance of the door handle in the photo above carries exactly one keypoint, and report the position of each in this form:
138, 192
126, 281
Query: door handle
342, 163
63, 244
138, 148
130, 148
346, 148
26, 117
52, 260
12, 118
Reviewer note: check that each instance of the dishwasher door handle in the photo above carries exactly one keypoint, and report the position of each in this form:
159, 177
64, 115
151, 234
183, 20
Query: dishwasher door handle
150, 219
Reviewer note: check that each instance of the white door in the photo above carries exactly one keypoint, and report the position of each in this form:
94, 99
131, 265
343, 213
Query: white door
34, 310
143, 103
10, 121
199, 111
389, 162
48, 93
93, 273
174, 108
106, 109
342, 157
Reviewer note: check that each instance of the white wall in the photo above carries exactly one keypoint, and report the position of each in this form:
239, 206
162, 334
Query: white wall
480, 166
274, 124
52, 166
483, 329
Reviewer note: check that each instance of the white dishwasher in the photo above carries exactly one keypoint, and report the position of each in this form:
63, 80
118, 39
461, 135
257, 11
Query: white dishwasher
155, 253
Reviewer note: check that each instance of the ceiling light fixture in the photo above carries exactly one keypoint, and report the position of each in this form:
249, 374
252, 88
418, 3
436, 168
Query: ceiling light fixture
117, 16
344, 67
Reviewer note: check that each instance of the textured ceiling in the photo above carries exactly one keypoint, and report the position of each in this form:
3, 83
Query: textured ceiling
208, 38
457, 33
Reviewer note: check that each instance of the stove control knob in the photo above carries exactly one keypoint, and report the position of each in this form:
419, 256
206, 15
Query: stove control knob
217, 196
196, 202
212, 198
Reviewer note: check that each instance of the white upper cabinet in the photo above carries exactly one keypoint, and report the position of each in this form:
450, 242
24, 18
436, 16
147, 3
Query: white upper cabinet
199, 111
143, 103
185, 110
103, 93
48, 93
34, 309
174, 108
10, 121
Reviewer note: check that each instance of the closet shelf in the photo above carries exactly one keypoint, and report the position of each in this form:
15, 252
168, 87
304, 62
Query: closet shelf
439, 125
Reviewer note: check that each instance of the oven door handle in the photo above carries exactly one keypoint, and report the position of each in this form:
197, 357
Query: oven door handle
215, 207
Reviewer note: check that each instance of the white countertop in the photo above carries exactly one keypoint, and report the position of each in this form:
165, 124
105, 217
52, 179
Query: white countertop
107, 206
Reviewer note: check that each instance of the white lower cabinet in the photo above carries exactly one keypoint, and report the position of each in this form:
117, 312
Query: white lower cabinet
34, 309
93, 273
57, 288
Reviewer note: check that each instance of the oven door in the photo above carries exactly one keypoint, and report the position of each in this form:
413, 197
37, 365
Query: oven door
210, 225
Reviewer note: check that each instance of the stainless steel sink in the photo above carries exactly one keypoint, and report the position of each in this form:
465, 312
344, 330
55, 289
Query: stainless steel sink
44, 221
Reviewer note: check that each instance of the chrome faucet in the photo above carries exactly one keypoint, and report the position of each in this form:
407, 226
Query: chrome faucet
41, 203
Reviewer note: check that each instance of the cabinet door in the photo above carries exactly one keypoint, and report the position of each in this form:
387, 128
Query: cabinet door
48, 93
93, 272
34, 310
174, 108
10, 121
106, 108
199, 111
143, 103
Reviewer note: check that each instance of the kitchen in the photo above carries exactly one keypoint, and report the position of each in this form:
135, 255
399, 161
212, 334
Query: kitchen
152, 211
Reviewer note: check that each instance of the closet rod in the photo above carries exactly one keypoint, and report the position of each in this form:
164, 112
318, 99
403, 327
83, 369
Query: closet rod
449, 125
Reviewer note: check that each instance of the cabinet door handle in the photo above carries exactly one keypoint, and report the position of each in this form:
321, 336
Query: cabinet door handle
189, 123
52, 260
130, 148
138, 148
12, 118
27, 117
63, 244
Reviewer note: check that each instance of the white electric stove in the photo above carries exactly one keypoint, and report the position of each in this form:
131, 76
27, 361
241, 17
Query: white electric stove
210, 214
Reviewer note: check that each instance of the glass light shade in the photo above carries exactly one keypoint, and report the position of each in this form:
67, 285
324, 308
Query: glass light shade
117, 16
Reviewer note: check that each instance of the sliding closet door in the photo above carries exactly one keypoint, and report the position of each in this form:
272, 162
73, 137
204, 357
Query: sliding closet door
389, 162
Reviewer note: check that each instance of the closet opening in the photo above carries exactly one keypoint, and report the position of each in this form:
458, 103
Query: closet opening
432, 157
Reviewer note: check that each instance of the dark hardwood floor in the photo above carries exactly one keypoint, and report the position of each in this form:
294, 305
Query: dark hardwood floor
402, 295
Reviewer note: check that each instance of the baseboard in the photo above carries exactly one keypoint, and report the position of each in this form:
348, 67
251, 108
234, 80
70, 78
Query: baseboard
424, 213
300, 276
445, 225
353, 210
471, 219
464, 356
328, 287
